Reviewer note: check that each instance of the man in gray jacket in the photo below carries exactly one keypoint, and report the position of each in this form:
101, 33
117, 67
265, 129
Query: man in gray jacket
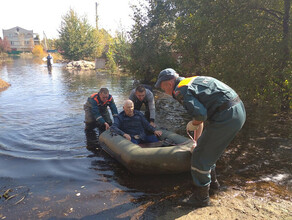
140, 96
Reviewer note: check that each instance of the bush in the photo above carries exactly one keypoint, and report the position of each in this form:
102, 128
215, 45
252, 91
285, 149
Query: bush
38, 51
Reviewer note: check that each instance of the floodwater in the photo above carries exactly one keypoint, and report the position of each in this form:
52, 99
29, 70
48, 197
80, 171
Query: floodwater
50, 169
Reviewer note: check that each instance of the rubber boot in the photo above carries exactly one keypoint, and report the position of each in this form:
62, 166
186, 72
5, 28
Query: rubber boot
214, 182
200, 197
89, 126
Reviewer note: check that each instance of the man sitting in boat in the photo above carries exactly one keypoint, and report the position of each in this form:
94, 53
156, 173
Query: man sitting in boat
96, 111
143, 95
132, 125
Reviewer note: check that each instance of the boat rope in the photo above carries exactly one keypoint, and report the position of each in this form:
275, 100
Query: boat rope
193, 139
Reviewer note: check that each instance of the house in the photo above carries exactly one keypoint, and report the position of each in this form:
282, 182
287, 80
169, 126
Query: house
21, 39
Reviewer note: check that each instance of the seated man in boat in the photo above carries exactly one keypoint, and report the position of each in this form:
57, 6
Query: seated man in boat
143, 95
96, 111
132, 125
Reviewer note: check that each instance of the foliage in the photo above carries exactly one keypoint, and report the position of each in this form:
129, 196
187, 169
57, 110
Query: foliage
152, 37
121, 50
4, 45
77, 39
104, 40
38, 51
111, 64
246, 44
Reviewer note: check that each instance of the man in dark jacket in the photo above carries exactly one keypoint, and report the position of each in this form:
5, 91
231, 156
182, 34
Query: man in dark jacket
205, 99
96, 111
142, 95
49, 60
131, 124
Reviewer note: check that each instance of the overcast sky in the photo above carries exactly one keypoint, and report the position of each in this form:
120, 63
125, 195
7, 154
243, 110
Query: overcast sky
46, 16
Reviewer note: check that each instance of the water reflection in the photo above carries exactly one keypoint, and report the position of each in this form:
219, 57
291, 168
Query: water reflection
43, 148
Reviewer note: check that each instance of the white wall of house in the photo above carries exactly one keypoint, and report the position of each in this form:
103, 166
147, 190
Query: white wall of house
20, 39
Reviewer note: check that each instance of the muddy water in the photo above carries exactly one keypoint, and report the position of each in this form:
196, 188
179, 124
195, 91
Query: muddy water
49, 167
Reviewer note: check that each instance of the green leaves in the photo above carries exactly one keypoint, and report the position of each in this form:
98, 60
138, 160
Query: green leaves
77, 38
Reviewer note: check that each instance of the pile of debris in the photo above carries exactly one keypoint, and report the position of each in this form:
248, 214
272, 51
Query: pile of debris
82, 64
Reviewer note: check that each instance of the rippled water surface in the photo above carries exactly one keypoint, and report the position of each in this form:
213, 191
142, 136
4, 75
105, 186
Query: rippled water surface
48, 162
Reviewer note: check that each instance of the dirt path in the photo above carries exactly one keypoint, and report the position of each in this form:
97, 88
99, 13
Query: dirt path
236, 204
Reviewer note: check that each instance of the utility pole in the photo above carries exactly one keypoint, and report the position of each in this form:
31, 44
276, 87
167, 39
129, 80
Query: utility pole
45, 38
96, 16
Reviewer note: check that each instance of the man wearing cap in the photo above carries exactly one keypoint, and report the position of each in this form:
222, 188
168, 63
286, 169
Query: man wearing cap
142, 95
205, 99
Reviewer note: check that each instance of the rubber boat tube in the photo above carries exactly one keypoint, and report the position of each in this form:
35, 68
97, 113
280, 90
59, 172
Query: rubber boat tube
152, 160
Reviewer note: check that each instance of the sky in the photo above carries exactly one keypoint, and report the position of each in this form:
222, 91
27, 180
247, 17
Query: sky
46, 16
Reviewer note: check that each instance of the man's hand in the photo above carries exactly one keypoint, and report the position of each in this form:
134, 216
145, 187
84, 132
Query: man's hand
106, 125
191, 126
152, 124
128, 137
158, 133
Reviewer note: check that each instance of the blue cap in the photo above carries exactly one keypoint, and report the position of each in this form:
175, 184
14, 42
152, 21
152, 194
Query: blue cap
164, 75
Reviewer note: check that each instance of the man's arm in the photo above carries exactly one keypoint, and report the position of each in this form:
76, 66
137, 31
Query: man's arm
151, 104
116, 126
132, 95
96, 112
195, 108
146, 125
113, 108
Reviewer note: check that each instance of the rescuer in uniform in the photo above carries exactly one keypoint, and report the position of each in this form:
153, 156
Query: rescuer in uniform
96, 111
205, 99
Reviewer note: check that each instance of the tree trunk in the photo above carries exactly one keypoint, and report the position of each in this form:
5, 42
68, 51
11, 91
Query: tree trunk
285, 39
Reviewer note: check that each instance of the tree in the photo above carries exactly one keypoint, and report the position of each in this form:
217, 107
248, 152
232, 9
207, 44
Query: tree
4, 45
77, 39
152, 37
121, 50
38, 51
247, 44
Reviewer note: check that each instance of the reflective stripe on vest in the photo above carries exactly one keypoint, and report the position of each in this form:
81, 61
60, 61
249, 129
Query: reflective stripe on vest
94, 94
201, 171
186, 81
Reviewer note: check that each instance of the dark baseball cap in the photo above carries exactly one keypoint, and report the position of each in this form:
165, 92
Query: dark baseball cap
164, 75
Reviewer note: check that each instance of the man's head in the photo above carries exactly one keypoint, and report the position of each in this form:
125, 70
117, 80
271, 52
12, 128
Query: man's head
166, 80
129, 108
140, 92
103, 94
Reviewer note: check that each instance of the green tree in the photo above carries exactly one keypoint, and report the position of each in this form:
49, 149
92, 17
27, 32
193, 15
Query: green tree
247, 44
76, 38
152, 37
121, 50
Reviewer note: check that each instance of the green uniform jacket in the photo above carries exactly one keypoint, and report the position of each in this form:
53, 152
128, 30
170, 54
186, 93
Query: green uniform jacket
202, 95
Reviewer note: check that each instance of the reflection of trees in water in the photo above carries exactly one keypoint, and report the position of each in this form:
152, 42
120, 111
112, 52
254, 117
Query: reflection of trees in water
84, 83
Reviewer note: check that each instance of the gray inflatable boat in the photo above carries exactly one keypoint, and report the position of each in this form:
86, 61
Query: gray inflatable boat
170, 155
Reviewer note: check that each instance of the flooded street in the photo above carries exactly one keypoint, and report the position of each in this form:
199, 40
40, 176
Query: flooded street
55, 171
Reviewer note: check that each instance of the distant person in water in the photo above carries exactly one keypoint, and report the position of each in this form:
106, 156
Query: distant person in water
132, 125
49, 60
96, 111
